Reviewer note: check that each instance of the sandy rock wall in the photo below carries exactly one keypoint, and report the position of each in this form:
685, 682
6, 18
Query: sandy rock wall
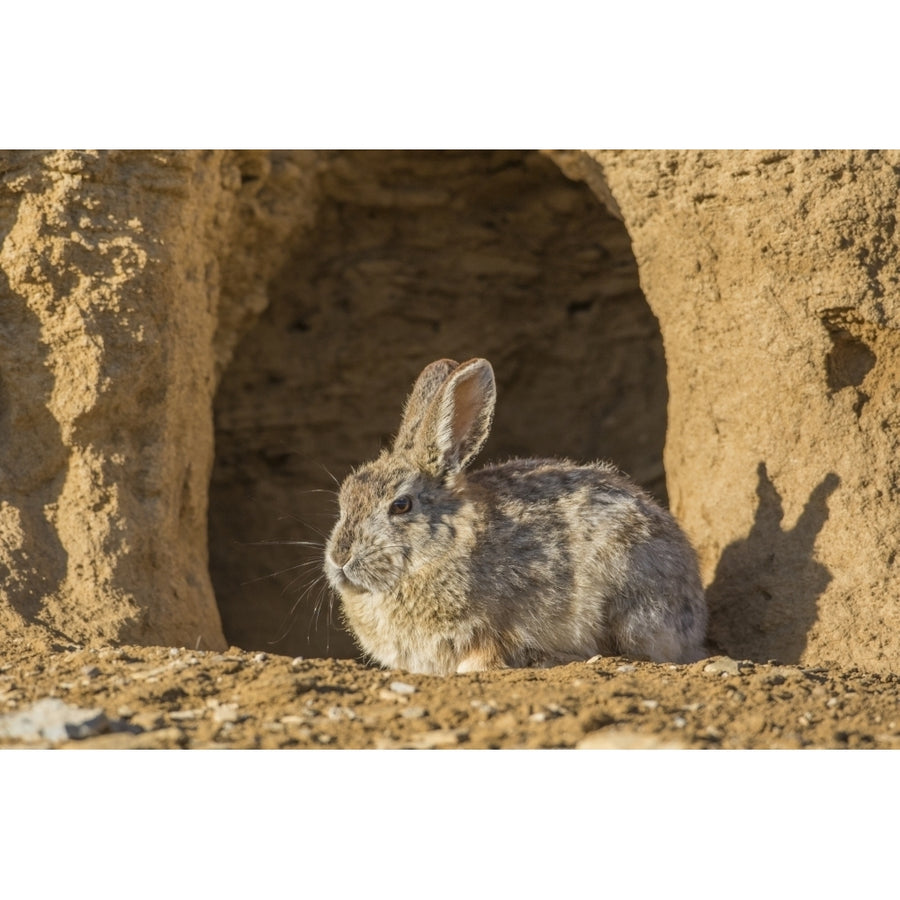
113, 318
776, 280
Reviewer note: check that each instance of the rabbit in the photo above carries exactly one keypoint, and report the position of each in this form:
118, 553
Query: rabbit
531, 562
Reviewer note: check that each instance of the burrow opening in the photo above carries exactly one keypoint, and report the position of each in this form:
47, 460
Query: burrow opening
416, 256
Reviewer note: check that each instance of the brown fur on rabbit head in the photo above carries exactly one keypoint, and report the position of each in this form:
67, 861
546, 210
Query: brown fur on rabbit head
383, 503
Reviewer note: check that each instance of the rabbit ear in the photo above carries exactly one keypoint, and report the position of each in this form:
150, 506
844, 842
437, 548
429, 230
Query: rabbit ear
459, 419
424, 390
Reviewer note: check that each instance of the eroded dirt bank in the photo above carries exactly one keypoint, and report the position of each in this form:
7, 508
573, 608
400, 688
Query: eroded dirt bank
157, 697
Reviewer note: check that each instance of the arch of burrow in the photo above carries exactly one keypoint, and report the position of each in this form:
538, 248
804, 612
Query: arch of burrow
416, 256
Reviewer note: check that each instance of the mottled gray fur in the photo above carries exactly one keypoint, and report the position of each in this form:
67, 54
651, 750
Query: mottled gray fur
531, 562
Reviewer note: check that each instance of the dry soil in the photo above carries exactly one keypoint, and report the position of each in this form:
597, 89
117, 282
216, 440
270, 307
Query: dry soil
160, 697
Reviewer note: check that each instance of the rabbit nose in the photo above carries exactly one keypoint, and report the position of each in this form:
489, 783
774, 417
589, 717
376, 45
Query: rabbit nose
338, 559
340, 553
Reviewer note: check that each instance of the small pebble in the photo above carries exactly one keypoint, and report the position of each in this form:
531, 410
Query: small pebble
443, 737
413, 712
385, 694
297, 662
401, 687
90, 671
650, 704
260, 657
626, 668
615, 739
679, 721
723, 665
226, 712
292, 720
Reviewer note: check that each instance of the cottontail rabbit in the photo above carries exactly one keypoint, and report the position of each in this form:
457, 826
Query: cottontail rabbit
530, 562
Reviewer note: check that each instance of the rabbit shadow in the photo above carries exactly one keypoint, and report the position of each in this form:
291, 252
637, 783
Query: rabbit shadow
763, 599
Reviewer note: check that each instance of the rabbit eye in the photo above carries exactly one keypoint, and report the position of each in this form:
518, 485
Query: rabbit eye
401, 506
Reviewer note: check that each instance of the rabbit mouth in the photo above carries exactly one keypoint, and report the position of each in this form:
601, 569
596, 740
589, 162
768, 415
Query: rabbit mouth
345, 582
339, 579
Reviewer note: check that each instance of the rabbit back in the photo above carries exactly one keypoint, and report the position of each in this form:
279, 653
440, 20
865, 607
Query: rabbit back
576, 560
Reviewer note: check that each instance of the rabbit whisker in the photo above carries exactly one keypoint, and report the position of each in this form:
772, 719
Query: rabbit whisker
293, 518
288, 619
276, 543
330, 475
300, 565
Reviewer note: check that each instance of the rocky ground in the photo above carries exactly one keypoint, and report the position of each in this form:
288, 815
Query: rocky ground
157, 697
